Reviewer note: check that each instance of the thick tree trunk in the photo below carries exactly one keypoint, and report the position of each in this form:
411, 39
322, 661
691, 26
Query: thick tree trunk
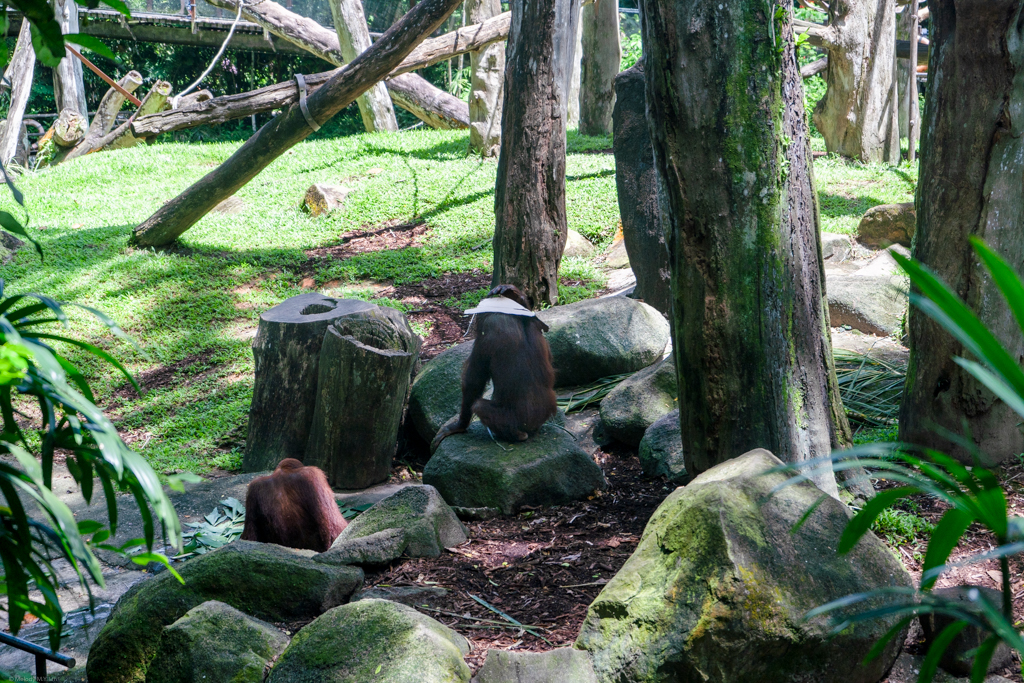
572, 105
972, 171
20, 70
487, 78
751, 334
858, 115
529, 198
109, 106
602, 56
68, 84
354, 37
636, 183
291, 127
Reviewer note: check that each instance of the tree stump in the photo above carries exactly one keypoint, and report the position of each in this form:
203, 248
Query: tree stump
69, 128
365, 368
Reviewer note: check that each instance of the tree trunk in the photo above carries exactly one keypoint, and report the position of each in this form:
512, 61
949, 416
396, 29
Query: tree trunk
430, 104
365, 369
69, 128
904, 69
572, 105
637, 188
858, 115
487, 78
109, 106
602, 57
972, 170
751, 328
20, 70
354, 37
290, 128
68, 84
529, 197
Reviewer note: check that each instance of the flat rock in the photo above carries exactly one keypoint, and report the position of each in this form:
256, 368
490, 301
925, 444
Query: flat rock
872, 299
215, 642
719, 584
888, 224
436, 392
639, 401
661, 450
577, 245
835, 248
415, 522
471, 470
263, 580
564, 665
600, 337
373, 640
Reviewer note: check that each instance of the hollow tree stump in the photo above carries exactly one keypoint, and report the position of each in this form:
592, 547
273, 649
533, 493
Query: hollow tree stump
365, 369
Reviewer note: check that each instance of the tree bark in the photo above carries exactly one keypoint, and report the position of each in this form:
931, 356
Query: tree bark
487, 80
154, 101
529, 198
109, 106
572, 105
602, 57
972, 170
21, 71
858, 115
411, 90
904, 69
354, 37
290, 128
69, 128
751, 330
68, 84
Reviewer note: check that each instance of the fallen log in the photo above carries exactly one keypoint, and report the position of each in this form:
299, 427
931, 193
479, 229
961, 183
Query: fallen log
814, 68
323, 43
293, 125
109, 106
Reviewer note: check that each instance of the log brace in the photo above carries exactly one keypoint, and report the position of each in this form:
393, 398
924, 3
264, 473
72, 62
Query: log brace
302, 103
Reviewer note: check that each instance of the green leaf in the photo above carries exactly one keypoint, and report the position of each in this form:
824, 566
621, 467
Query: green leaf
879, 647
935, 652
145, 558
862, 521
945, 537
11, 224
91, 43
48, 42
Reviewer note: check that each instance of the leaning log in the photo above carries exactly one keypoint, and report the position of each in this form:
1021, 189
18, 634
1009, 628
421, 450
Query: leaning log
20, 74
323, 43
155, 101
109, 106
354, 36
291, 127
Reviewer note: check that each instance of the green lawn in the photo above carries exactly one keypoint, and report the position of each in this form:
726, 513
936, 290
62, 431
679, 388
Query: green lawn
196, 308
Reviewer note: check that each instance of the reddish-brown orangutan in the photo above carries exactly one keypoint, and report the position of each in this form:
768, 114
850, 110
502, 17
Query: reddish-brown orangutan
293, 507
511, 351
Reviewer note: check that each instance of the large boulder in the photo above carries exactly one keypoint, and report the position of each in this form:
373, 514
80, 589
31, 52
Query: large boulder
437, 390
639, 401
599, 337
719, 585
373, 640
661, 450
266, 581
215, 642
564, 665
415, 522
471, 470
888, 224
872, 299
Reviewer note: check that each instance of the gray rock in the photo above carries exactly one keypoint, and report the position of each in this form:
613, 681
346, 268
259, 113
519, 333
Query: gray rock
373, 640
661, 450
413, 596
639, 401
216, 642
888, 224
719, 585
908, 667
415, 521
577, 245
564, 665
599, 337
472, 471
617, 257
436, 392
266, 581
835, 248
321, 198
872, 299
954, 660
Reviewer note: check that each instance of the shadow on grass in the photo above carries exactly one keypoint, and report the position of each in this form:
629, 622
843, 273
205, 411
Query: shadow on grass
837, 206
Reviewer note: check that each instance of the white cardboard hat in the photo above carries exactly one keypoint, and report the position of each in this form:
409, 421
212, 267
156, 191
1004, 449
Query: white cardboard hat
501, 304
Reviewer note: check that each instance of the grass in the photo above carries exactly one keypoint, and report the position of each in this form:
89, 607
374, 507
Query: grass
196, 308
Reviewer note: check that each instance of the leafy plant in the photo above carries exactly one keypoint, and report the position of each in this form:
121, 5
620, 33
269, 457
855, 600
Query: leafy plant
632, 50
221, 526
871, 387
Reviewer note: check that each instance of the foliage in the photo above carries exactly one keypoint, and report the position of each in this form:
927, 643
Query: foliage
871, 387
632, 50
591, 394
221, 526
899, 527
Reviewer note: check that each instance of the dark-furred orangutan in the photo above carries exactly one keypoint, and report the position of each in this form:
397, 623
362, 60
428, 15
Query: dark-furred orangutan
294, 507
511, 351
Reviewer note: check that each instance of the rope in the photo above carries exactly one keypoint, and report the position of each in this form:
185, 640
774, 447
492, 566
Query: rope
213, 62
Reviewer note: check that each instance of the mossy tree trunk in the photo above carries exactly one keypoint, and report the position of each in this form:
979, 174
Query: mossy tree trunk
602, 57
972, 171
529, 198
751, 334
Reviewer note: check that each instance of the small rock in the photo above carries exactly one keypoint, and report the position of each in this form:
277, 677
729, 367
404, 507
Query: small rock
230, 206
216, 642
620, 280
835, 248
954, 660
617, 256
637, 403
321, 199
374, 640
577, 245
661, 450
564, 665
888, 224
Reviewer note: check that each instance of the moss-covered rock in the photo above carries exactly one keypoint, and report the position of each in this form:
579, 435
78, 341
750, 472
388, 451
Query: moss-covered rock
215, 642
263, 580
415, 521
373, 640
661, 450
564, 665
471, 470
639, 401
718, 587
437, 390
599, 337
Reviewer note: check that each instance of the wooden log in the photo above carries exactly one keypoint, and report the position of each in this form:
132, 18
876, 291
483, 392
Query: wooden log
365, 370
69, 128
20, 74
109, 106
433, 106
291, 127
914, 121
354, 37
601, 58
194, 98
68, 84
154, 101
814, 68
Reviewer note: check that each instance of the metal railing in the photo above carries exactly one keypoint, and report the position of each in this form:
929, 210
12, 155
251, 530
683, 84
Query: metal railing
41, 654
